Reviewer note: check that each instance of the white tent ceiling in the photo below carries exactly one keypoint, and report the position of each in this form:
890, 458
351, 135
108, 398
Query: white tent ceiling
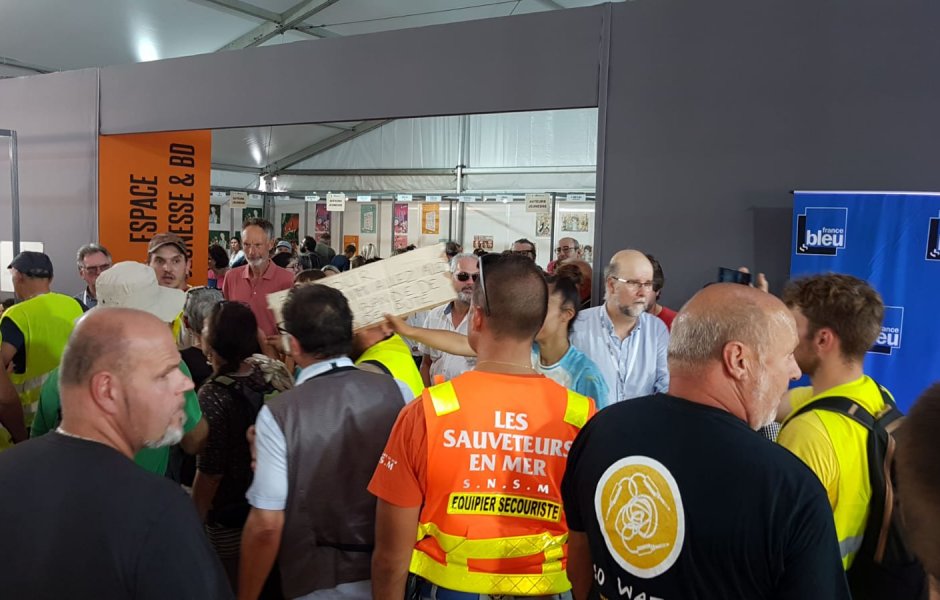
39, 36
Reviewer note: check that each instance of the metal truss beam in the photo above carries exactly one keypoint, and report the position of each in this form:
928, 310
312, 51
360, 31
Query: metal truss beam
322, 146
286, 21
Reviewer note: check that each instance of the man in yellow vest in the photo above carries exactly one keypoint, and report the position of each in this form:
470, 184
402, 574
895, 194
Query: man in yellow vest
34, 333
838, 319
474, 466
386, 352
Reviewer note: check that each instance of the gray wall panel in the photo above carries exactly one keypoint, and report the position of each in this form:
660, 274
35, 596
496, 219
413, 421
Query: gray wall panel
717, 109
530, 62
56, 119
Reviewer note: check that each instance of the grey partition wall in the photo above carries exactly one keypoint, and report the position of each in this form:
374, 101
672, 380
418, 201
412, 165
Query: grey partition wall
718, 109
530, 62
56, 120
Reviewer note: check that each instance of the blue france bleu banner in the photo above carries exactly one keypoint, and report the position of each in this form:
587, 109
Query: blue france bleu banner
893, 241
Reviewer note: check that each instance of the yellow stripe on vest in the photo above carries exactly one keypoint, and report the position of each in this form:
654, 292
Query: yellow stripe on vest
460, 549
444, 398
459, 577
578, 408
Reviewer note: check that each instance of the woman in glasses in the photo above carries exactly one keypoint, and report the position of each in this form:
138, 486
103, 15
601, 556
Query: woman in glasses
230, 401
552, 354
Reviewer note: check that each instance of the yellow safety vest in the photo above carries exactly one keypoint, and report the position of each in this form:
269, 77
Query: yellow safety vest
502, 531
46, 322
835, 448
395, 355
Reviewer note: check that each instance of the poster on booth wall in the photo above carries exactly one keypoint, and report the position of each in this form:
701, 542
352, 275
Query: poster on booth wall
215, 214
252, 212
153, 183
483, 242
543, 225
351, 240
430, 219
290, 226
367, 219
220, 237
577, 222
891, 240
324, 220
400, 220
400, 242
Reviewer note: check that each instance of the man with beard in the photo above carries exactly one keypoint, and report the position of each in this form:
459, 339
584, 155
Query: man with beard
720, 513
627, 343
838, 318
123, 532
464, 272
131, 285
253, 282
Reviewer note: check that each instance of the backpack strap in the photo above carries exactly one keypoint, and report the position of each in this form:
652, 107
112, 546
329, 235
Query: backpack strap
855, 411
378, 366
232, 386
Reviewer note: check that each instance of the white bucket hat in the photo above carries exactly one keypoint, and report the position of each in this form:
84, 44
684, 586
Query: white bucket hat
134, 285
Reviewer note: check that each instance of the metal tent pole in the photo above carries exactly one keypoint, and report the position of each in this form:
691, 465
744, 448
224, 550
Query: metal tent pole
14, 188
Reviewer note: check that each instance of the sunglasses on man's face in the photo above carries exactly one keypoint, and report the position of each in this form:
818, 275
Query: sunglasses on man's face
464, 276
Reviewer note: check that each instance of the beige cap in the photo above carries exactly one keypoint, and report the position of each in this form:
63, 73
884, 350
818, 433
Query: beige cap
134, 285
162, 239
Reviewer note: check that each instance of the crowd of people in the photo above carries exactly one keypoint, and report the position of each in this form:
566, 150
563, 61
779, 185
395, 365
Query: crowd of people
167, 441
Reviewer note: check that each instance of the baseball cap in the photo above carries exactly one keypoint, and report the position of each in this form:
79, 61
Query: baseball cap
134, 285
283, 244
32, 264
162, 239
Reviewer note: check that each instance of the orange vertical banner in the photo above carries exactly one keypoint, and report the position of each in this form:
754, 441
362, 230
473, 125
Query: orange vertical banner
151, 183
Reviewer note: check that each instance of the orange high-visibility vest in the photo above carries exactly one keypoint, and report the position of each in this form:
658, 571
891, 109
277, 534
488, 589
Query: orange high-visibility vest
492, 521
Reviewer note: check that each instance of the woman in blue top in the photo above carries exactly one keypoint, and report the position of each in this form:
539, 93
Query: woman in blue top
552, 353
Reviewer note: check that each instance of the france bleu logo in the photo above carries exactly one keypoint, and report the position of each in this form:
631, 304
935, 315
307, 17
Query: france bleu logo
890, 337
933, 239
821, 231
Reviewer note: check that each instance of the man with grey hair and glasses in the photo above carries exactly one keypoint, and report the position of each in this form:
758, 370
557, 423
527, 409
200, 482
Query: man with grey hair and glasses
437, 365
676, 496
93, 260
627, 343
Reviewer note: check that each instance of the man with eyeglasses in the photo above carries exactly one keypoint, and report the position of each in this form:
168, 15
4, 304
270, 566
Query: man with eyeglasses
567, 248
524, 247
437, 365
93, 260
627, 343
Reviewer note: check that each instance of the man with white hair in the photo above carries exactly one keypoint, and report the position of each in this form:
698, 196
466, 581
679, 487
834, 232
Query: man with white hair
121, 532
676, 496
627, 343
464, 273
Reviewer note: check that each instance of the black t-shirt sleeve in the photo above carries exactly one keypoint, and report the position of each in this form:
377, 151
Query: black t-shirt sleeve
812, 563
569, 483
11, 334
176, 560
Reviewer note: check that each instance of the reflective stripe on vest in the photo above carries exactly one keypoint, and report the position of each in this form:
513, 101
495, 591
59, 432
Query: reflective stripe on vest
452, 559
445, 402
31, 384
